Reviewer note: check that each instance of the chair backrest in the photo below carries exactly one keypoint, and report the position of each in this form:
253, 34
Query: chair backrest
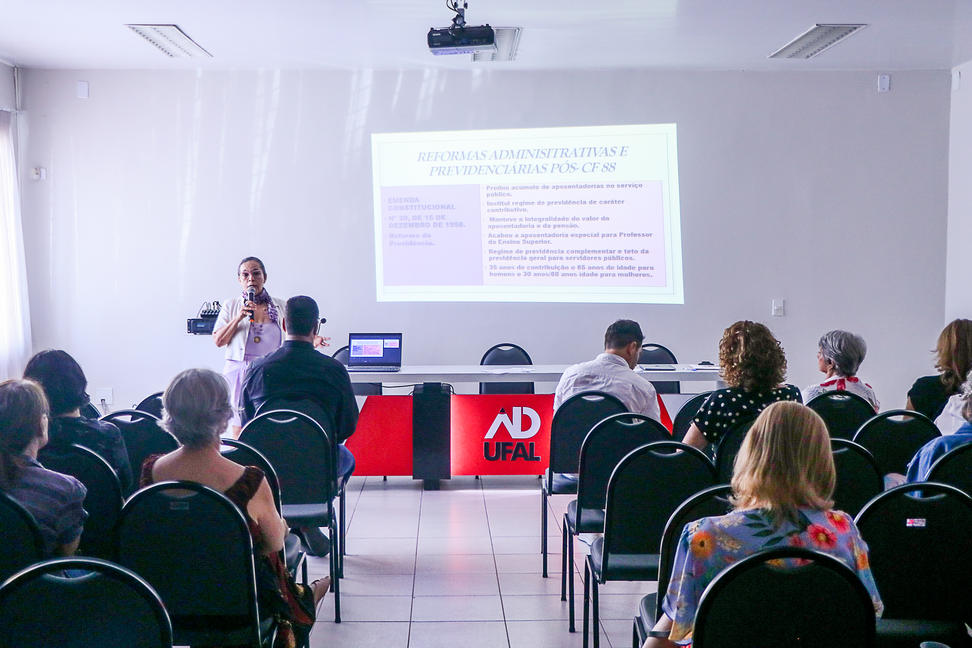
143, 436
858, 476
20, 536
360, 389
645, 489
245, 455
894, 441
954, 468
842, 411
572, 421
109, 606
151, 404
608, 442
728, 447
758, 602
506, 353
90, 411
657, 354
300, 451
918, 544
706, 503
683, 420
103, 500
192, 544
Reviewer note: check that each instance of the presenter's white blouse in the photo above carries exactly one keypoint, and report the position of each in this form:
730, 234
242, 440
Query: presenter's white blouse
610, 374
236, 348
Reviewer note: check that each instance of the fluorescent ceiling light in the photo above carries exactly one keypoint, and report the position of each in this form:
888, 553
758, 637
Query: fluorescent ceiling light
507, 40
815, 40
170, 40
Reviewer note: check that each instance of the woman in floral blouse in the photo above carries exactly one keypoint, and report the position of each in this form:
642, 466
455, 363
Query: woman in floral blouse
782, 483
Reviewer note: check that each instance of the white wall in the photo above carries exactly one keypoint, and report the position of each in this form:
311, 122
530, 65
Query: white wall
811, 187
958, 294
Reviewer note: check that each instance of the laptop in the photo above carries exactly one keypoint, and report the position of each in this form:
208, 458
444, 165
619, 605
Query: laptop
374, 352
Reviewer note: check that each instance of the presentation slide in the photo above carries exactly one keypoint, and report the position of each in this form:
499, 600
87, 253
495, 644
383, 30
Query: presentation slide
584, 214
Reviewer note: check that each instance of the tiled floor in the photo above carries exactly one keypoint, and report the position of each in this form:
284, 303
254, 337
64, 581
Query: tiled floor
459, 567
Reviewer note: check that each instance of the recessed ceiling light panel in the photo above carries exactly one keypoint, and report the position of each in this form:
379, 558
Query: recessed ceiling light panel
170, 40
815, 40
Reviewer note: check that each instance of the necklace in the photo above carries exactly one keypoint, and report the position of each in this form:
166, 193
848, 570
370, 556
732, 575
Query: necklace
257, 332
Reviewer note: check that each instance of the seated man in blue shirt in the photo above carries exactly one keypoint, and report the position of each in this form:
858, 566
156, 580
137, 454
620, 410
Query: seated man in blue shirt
921, 465
296, 371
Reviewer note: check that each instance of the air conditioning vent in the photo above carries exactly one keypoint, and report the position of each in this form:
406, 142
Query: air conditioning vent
170, 40
815, 40
507, 41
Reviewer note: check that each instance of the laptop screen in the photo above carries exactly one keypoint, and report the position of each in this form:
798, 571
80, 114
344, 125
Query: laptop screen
375, 349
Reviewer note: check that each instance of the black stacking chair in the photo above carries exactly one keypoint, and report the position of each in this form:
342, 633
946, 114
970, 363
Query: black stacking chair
842, 411
21, 538
109, 607
312, 409
657, 354
359, 389
859, 479
193, 546
302, 453
571, 422
755, 602
707, 503
954, 468
244, 455
728, 447
687, 412
143, 437
103, 500
894, 441
90, 411
646, 487
603, 448
506, 353
918, 544
151, 404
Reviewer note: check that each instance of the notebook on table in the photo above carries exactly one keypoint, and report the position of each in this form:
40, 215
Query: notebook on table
375, 352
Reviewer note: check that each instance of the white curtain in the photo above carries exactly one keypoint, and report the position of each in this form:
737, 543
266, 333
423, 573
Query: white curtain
15, 341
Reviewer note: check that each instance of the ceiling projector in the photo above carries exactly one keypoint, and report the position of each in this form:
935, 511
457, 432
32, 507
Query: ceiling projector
460, 39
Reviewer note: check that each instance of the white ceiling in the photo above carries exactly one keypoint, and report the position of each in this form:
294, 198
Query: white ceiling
390, 34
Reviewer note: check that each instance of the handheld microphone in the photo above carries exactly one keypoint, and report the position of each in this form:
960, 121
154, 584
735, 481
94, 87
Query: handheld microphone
250, 296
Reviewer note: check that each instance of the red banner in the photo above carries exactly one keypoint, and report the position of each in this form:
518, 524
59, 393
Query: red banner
382, 441
502, 434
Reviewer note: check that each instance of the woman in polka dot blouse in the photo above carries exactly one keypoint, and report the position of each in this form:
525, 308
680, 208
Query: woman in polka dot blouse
753, 365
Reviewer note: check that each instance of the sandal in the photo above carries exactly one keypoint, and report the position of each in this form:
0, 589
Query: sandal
320, 588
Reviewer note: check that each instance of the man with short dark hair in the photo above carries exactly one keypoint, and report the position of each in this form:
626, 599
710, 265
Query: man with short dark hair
611, 372
297, 371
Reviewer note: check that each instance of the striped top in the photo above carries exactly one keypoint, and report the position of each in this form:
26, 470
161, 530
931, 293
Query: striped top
55, 501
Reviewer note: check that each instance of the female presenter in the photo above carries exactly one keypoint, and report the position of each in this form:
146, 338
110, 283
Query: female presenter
249, 327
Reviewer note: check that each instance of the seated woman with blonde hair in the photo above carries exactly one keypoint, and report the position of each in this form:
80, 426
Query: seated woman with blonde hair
782, 484
197, 408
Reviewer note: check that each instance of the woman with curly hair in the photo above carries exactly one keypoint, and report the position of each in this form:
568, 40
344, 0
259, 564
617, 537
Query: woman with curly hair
782, 484
953, 359
752, 363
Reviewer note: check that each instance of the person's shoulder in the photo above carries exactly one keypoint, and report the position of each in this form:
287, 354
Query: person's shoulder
64, 486
787, 391
927, 384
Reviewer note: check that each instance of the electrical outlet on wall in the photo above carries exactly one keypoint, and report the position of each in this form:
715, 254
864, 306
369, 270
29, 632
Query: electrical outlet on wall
778, 307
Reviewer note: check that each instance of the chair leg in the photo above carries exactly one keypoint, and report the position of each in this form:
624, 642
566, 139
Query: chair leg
335, 580
634, 634
587, 601
543, 528
595, 612
343, 535
563, 564
570, 577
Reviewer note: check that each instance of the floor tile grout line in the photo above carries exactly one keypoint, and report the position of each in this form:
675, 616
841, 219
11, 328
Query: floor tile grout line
499, 587
411, 603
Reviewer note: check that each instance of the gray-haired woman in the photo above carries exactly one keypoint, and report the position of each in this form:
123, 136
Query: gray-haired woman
839, 355
197, 408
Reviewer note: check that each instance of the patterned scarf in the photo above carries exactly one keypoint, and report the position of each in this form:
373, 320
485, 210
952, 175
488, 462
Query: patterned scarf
840, 382
264, 298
